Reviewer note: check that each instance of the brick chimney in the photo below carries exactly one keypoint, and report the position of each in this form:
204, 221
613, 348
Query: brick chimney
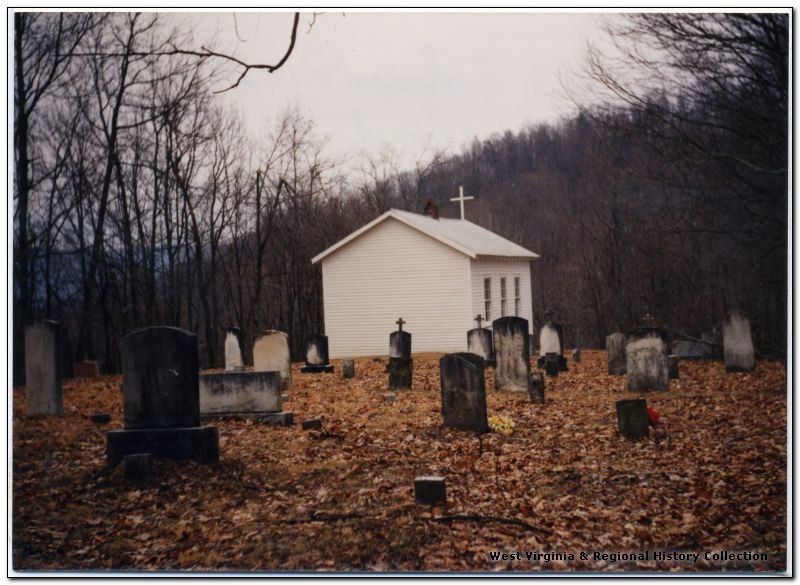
431, 209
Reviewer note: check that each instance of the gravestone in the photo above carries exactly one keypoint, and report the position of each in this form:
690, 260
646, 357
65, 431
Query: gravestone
161, 399
400, 342
43, 395
617, 362
233, 350
400, 373
138, 467
248, 395
271, 354
348, 368
537, 388
430, 490
551, 340
479, 342
738, 344
463, 389
632, 418
576, 355
85, 369
647, 366
316, 352
551, 364
512, 354
687, 348
672, 361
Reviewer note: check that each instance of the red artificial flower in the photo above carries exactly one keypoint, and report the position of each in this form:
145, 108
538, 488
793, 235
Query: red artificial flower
653, 417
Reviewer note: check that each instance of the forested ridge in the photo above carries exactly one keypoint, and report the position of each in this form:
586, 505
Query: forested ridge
139, 200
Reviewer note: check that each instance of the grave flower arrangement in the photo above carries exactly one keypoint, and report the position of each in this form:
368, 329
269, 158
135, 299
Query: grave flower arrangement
501, 424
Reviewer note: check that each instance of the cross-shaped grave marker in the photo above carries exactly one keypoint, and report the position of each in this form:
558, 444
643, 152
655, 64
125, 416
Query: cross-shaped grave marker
400, 324
480, 320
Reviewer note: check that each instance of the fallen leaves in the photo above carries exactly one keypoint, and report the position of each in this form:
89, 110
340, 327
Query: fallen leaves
712, 477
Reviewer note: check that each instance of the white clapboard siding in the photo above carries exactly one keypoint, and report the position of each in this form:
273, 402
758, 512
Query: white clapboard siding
391, 271
497, 268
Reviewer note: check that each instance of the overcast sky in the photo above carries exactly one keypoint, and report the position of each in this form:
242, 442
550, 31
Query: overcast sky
372, 81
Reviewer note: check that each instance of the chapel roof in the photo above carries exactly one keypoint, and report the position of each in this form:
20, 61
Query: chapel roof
462, 235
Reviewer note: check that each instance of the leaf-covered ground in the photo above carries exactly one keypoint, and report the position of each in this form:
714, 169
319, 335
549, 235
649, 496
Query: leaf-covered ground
711, 477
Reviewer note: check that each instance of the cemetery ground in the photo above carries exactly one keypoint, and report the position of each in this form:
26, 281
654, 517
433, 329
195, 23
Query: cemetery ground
711, 477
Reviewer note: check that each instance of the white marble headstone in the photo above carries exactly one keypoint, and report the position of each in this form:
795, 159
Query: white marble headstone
271, 354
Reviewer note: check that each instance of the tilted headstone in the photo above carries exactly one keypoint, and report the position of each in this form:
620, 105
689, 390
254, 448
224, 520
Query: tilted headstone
316, 352
537, 388
617, 362
161, 399
672, 361
738, 344
551, 340
233, 350
632, 418
271, 354
85, 369
43, 395
348, 368
463, 390
249, 395
646, 350
512, 354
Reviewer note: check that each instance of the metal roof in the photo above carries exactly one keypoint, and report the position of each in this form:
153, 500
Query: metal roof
460, 234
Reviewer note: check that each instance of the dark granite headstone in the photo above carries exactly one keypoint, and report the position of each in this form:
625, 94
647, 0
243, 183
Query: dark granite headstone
400, 373
537, 388
316, 352
400, 344
43, 395
617, 362
138, 467
348, 368
551, 364
463, 390
632, 418
672, 362
161, 399
646, 350
430, 490
512, 354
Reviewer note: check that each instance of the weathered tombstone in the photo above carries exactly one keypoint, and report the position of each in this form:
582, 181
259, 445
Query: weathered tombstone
576, 355
316, 352
85, 369
551, 340
271, 354
389, 397
672, 362
233, 350
43, 394
479, 342
687, 348
647, 366
537, 388
249, 395
632, 418
430, 490
551, 364
617, 362
738, 344
348, 368
161, 399
400, 342
463, 390
312, 424
512, 354
400, 373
